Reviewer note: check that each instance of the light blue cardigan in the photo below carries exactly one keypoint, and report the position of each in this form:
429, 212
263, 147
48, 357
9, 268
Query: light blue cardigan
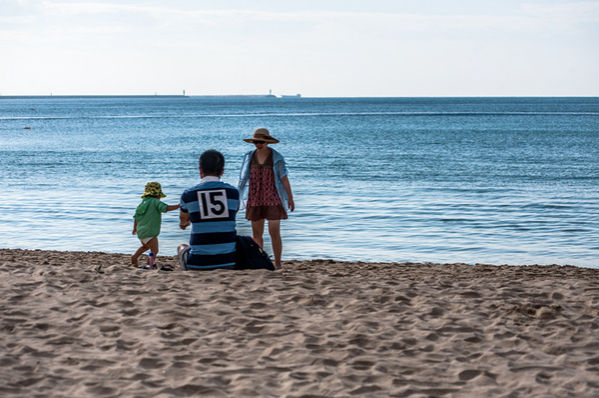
279, 168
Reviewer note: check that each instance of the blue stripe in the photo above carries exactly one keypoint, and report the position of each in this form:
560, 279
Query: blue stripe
192, 206
215, 249
233, 204
211, 227
195, 218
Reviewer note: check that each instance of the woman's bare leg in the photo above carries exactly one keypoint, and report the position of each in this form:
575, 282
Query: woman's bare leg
258, 231
274, 229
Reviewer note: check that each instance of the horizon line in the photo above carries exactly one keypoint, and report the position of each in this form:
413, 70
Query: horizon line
44, 96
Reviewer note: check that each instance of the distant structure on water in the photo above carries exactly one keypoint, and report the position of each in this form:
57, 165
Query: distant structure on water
292, 96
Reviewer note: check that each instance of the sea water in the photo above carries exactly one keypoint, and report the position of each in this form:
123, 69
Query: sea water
473, 180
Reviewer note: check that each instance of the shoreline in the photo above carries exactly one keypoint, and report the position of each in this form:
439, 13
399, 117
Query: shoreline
173, 259
316, 328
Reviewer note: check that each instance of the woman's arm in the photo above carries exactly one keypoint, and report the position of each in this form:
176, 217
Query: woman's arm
287, 186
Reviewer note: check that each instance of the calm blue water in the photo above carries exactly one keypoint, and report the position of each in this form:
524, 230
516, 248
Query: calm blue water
474, 180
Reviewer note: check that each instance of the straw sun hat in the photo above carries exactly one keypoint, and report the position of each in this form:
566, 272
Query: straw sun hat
262, 135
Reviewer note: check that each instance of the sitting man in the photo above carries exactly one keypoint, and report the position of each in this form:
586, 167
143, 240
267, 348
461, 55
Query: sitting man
210, 208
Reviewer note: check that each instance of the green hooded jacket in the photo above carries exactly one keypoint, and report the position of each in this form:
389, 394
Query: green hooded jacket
149, 217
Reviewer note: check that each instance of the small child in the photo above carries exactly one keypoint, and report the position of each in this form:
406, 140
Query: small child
148, 218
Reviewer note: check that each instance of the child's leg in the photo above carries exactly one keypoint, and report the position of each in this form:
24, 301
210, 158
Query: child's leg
153, 245
139, 252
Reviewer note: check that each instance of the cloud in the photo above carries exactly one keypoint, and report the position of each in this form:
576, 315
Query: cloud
317, 31
179, 40
570, 17
530, 17
579, 12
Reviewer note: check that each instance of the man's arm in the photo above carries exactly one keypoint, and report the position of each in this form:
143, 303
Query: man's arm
183, 219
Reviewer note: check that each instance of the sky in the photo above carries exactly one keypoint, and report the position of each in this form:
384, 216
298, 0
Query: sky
318, 48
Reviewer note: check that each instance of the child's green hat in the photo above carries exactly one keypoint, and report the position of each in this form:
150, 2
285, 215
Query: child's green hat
153, 189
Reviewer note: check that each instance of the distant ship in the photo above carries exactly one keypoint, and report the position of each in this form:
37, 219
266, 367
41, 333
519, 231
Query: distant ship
292, 96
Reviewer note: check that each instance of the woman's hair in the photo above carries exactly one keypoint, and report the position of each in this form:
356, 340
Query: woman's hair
212, 163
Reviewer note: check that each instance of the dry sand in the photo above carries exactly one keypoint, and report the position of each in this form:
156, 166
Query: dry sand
316, 329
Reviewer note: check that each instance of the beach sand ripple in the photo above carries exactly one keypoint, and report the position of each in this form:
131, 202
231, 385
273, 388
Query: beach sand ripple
318, 328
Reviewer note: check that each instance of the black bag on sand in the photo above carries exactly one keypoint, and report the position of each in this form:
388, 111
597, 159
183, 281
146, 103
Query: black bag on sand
250, 255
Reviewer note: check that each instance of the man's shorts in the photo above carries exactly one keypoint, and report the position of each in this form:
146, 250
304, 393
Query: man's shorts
183, 255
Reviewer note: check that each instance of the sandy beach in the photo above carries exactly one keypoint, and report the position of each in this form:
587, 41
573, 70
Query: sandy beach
315, 329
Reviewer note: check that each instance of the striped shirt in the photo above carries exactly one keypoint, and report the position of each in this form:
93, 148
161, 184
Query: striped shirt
212, 206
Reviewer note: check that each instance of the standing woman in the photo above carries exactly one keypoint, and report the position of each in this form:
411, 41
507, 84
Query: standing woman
269, 195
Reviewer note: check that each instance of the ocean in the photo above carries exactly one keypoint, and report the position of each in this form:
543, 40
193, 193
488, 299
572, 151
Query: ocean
444, 180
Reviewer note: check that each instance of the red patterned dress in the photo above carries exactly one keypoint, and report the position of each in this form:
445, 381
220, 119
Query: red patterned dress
263, 200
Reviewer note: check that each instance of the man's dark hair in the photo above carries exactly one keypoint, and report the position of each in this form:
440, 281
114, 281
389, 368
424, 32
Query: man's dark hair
212, 163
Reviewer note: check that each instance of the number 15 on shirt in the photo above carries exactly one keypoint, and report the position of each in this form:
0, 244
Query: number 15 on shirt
213, 204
